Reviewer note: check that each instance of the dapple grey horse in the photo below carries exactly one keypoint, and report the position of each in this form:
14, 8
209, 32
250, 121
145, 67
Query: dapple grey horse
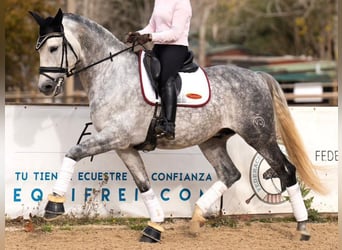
250, 104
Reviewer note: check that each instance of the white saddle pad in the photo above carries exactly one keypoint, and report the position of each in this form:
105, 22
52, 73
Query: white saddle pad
195, 90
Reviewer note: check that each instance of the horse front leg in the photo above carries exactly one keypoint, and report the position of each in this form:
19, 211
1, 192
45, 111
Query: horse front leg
98, 143
101, 143
134, 163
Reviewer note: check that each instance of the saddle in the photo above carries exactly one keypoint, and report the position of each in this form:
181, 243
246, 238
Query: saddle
192, 84
152, 67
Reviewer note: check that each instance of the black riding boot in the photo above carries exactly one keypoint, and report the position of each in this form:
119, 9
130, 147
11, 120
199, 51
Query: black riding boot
169, 104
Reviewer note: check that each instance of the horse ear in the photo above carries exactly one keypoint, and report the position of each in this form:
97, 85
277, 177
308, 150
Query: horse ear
38, 18
58, 18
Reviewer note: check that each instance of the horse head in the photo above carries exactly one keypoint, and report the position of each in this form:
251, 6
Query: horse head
58, 56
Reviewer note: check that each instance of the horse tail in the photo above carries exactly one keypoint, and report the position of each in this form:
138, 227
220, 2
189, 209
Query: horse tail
291, 138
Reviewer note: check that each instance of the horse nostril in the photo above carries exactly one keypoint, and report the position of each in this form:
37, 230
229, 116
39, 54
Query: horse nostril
48, 87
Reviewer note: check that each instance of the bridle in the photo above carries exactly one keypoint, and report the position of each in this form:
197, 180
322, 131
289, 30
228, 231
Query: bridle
61, 69
65, 45
65, 70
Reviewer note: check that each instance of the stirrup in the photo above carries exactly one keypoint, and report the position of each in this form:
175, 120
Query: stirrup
160, 127
170, 130
165, 129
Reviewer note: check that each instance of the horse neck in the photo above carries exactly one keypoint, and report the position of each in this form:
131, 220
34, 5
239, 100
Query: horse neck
95, 44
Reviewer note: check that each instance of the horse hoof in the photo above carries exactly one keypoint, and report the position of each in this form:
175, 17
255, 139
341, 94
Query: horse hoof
48, 216
305, 237
304, 234
196, 222
54, 208
194, 228
151, 233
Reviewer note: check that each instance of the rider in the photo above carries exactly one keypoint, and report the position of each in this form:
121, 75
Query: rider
168, 29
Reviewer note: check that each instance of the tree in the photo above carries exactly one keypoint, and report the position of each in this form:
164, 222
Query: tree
277, 27
201, 14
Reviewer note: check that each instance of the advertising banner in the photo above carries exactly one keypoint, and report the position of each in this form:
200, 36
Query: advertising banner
38, 137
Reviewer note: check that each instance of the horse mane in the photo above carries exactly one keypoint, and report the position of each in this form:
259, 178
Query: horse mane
92, 26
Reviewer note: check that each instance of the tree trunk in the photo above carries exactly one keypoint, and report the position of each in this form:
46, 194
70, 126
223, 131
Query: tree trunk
207, 8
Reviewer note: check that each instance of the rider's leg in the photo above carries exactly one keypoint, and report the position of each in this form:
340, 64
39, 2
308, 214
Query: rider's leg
171, 59
169, 103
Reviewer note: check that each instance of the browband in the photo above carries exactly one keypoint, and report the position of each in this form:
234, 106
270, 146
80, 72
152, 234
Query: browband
42, 39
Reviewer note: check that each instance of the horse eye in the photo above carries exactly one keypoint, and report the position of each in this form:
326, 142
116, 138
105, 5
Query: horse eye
53, 49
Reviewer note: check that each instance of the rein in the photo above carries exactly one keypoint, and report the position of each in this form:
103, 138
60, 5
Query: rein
110, 57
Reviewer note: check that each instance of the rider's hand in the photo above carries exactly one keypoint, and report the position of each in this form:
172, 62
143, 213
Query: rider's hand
132, 37
142, 39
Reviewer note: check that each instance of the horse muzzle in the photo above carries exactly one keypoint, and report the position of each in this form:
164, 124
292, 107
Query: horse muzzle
53, 88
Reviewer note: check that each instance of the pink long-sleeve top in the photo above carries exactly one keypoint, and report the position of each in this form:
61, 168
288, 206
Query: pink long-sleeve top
170, 22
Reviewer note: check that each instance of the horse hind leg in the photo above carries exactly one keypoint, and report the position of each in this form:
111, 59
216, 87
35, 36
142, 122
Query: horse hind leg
215, 151
286, 172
